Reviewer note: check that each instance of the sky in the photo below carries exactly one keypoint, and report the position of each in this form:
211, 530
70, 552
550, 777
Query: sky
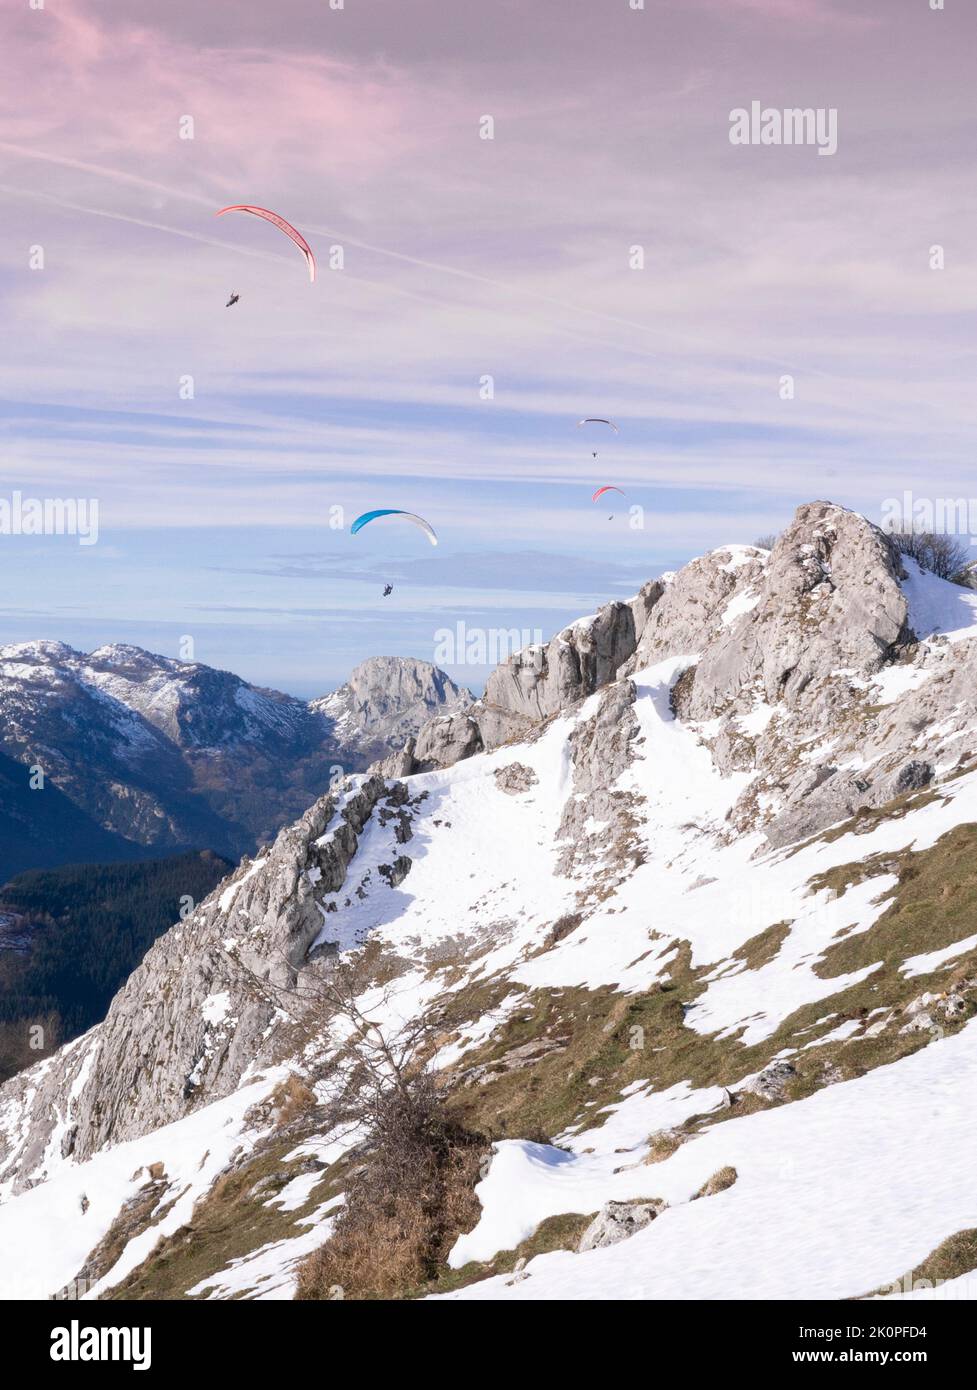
229, 449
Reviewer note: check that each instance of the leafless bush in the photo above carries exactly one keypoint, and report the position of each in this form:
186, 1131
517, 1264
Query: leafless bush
943, 555
410, 1189
405, 1204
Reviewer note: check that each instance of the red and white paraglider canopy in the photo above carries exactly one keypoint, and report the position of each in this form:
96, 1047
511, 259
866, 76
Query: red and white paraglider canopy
284, 226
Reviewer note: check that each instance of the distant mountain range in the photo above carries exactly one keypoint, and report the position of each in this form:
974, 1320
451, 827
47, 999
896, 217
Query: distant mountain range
143, 754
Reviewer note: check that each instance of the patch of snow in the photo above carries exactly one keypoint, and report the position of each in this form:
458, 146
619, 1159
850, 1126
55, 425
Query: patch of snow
738, 555
932, 960
739, 604
230, 893
755, 723
216, 1007
938, 607
892, 683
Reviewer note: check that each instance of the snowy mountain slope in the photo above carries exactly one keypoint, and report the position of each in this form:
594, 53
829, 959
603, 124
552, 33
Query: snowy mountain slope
820, 1207
714, 913
169, 753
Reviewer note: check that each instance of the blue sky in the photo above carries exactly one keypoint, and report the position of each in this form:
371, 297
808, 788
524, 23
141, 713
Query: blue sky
463, 259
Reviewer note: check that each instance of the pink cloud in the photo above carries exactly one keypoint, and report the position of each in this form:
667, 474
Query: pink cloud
807, 12
260, 117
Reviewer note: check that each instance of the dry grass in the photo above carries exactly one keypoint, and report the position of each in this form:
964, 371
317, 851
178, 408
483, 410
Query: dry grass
389, 1252
292, 1099
761, 949
952, 1258
662, 1145
405, 1206
719, 1182
555, 1233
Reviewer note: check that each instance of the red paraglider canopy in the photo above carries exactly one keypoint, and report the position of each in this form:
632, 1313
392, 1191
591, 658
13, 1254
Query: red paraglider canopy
284, 226
609, 488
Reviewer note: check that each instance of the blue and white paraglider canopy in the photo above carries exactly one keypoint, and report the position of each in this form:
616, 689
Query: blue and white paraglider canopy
367, 517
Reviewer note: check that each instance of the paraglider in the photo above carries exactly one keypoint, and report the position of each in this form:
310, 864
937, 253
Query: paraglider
233, 300
367, 517
597, 420
387, 590
284, 226
609, 487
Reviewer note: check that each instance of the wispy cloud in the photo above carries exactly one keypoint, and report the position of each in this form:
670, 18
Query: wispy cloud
487, 297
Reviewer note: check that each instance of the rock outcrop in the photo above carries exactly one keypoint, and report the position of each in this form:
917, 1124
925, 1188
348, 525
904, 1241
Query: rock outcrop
696, 605
515, 779
617, 1221
202, 1008
387, 700
534, 684
829, 597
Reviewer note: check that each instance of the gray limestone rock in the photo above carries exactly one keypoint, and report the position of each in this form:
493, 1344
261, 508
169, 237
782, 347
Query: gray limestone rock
617, 1221
515, 778
772, 1082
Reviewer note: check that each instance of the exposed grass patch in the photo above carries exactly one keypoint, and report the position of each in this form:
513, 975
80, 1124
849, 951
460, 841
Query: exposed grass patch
722, 1179
396, 1250
761, 949
952, 1258
408, 1200
603, 1041
662, 1145
555, 1233
291, 1099
933, 906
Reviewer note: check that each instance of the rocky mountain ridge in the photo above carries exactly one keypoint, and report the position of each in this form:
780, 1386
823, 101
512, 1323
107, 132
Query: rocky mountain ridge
787, 645
695, 879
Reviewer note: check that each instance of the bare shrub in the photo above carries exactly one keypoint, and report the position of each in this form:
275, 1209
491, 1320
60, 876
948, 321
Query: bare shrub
411, 1188
944, 556
405, 1205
